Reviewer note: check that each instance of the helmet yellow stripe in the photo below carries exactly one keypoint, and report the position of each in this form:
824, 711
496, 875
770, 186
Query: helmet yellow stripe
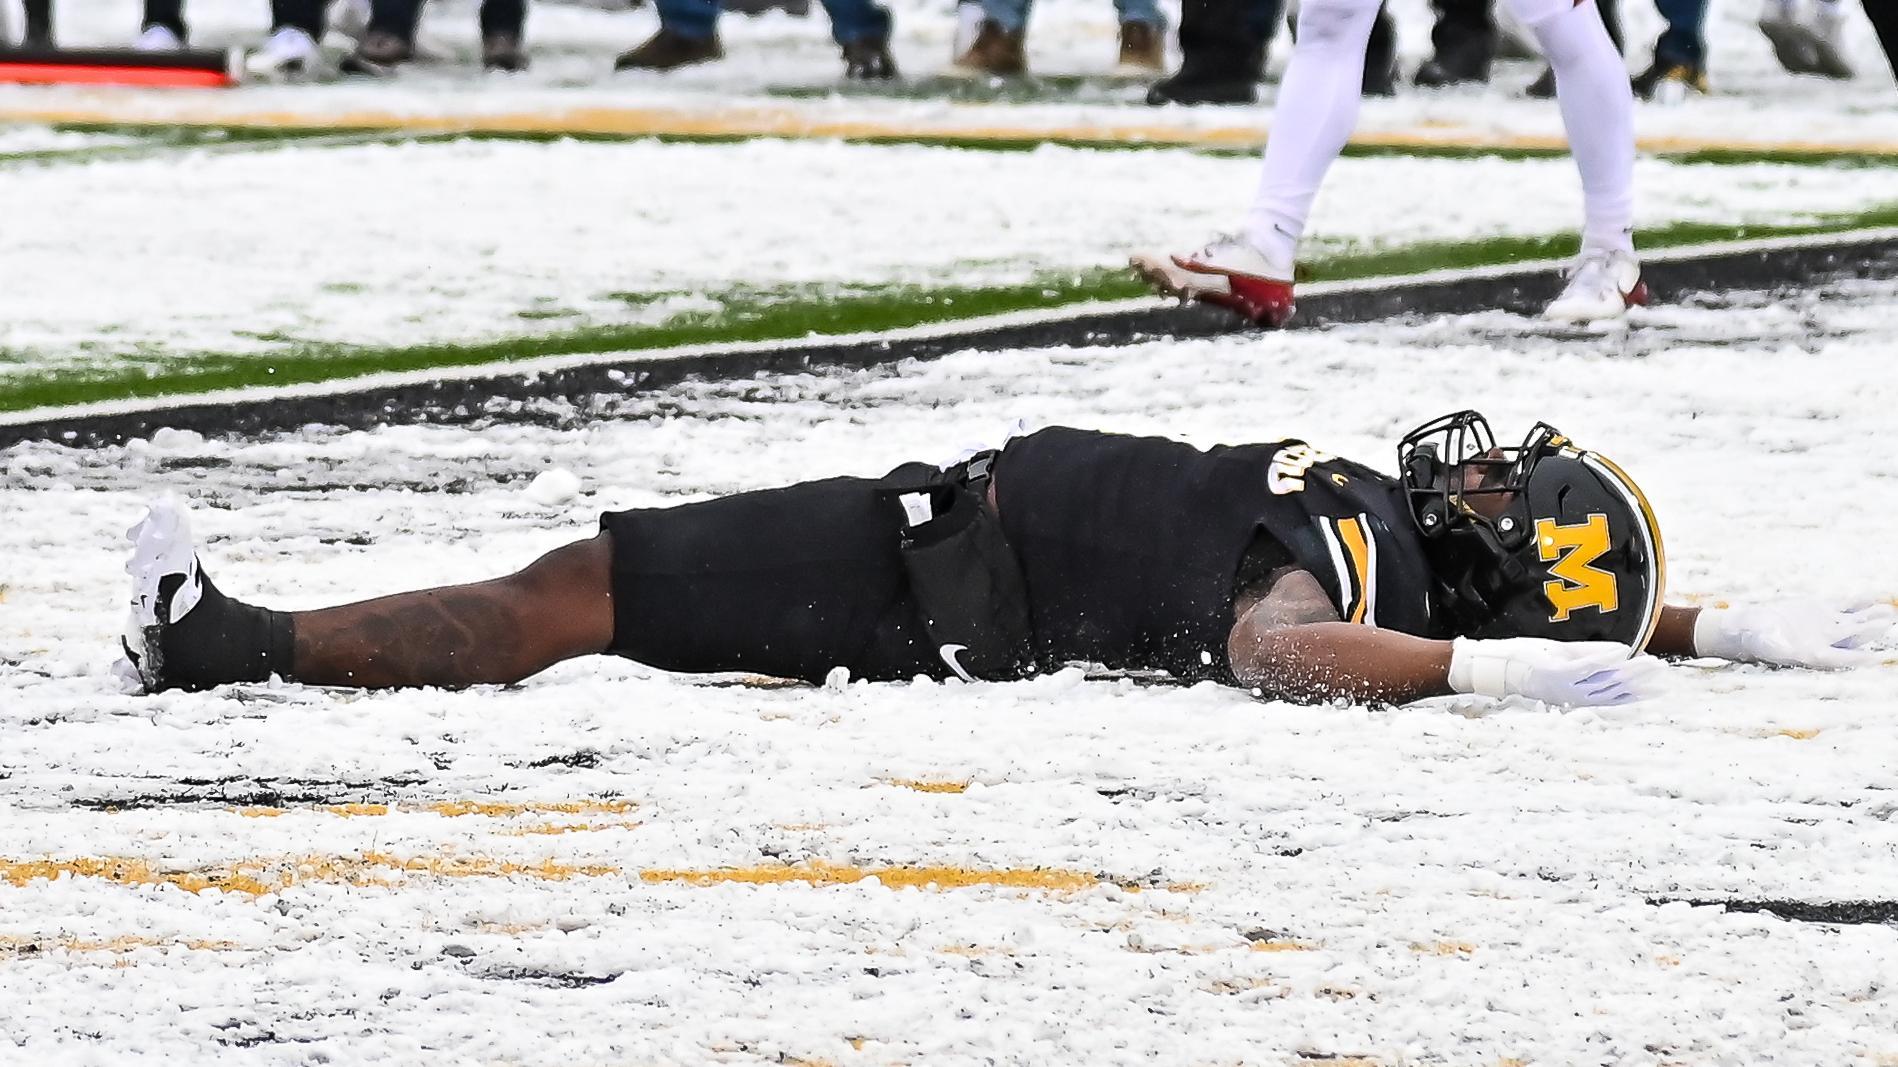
1657, 555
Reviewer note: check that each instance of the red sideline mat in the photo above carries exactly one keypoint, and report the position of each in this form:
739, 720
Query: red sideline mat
200, 69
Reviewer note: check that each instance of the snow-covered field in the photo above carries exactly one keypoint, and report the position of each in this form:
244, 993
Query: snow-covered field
397, 244
608, 865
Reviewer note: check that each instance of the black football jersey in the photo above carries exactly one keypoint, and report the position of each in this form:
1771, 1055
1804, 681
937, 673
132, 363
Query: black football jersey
1130, 546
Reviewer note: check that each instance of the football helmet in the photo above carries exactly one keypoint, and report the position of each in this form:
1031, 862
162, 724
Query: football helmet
1541, 540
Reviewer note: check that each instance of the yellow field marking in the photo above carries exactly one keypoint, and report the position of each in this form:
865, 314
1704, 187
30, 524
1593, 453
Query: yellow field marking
897, 877
787, 121
925, 786
1442, 948
260, 876
257, 877
548, 828
1282, 946
13, 946
455, 809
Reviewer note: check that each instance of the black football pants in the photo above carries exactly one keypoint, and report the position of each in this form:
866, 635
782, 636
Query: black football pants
401, 16
305, 15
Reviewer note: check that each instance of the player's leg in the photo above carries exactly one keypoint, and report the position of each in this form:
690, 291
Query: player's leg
1598, 115
492, 632
186, 633
1251, 272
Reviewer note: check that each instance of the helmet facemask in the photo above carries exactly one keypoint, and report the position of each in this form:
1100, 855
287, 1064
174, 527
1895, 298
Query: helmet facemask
1481, 509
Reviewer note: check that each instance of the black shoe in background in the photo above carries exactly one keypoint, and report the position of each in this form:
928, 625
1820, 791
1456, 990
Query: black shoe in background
1543, 88
869, 60
1226, 77
1668, 80
1464, 60
667, 50
378, 55
503, 52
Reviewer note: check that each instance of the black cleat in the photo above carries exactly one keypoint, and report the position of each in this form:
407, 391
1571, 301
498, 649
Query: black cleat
183, 633
869, 60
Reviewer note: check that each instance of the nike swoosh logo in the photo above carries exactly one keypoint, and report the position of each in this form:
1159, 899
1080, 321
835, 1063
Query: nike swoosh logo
949, 654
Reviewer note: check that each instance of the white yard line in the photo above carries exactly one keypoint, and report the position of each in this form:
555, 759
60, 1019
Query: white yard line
1065, 313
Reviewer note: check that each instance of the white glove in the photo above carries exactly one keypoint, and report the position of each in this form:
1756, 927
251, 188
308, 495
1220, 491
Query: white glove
1572, 673
1794, 633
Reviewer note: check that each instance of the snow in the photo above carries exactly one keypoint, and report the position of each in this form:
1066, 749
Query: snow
469, 240
1181, 874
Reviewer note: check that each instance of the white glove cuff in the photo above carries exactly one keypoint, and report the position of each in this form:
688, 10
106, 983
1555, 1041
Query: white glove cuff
1716, 635
1479, 668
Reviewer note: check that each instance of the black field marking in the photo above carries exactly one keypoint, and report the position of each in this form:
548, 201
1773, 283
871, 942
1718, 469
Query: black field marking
1841, 912
483, 396
555, 979
253, 793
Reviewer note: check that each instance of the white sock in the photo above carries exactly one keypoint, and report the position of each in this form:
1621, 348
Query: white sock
1591, 88
1316, 111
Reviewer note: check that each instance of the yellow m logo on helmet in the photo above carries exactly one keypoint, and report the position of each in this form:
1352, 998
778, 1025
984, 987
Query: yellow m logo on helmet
1571, 552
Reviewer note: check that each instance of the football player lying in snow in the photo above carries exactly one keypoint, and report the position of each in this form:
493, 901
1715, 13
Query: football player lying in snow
1533, 571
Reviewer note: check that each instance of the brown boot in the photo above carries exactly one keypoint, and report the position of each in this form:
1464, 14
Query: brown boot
378, 55
995, 53
1142, 51
665, 50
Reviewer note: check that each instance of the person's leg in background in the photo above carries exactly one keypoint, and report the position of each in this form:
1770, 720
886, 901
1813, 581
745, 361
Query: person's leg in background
503, 34
1223, 44
38, 29
1808, 42
998, 47
861, 29
688, 33
1142, 50
389, 39
162, 29
1680, 55
290, 52
1462, 43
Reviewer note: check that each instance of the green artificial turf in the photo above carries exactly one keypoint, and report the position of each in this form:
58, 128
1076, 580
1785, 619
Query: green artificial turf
767, 315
